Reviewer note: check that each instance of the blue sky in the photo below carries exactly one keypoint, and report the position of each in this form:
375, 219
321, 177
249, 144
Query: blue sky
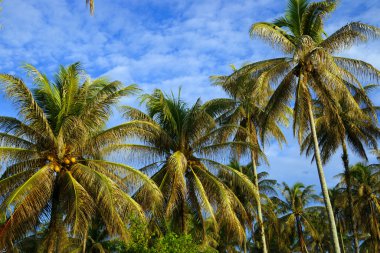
165, 44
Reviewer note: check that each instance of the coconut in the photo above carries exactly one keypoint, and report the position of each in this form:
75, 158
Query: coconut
66, 161
57, 168
73, 160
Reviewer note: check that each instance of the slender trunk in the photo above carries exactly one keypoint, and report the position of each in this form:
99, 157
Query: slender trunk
84, 241
341, 238
259, 210
347, 176
257, 194
300, 235
322, 179
183, 218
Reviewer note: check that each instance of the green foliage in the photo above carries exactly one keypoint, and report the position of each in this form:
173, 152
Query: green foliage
172, 243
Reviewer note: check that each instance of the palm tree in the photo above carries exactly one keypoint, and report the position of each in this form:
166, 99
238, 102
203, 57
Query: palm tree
179, 143
295, 207
311, 71
358, 130
247, 112
366, 188
55, 158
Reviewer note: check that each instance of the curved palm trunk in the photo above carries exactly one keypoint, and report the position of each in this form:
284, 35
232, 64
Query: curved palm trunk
347, 176
257, 195
322, 179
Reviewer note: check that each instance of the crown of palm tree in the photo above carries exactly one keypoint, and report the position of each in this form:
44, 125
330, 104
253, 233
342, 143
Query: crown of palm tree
296, 208
358, 130
179, 143
329, 77
54, 161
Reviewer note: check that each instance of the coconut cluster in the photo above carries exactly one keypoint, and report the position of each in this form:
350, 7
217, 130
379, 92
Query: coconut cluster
65, 163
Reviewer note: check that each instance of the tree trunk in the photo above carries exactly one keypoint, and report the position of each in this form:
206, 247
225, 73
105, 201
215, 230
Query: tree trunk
257, 194
84, 241
183, 218
53, 244
259, 211
347, 176
341, 238
322, 179
300, 235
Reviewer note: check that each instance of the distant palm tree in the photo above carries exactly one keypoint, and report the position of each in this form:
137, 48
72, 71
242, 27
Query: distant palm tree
295, 207
179, 142
248, 112
310, 71
55, 159
366, 187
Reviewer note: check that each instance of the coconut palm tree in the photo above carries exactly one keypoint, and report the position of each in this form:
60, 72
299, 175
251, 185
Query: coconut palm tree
295, 207
179, 143
358, 131
247, 111
311, 71
56, 160
366, 188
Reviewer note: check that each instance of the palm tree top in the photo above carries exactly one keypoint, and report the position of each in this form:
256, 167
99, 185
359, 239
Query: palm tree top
54, 158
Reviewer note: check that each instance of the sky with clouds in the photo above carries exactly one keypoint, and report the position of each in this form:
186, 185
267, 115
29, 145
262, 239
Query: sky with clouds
165, 44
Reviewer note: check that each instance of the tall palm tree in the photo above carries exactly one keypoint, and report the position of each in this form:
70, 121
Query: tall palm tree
358, 131
56, 159
179, 143
295, 207
248, 112
366, 188
310, 70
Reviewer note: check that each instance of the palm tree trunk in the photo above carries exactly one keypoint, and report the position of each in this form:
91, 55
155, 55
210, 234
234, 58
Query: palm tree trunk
259, 210
183, 218
322, 179
347, 176
257, 194
341, 238
84, 241
300, 235
55, 220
